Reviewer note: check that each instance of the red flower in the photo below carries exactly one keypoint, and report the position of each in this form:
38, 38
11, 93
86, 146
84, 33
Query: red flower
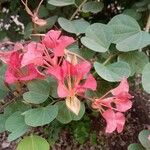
57, 42
16, 73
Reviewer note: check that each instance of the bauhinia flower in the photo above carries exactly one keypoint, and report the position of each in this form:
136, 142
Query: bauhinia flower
73, 80
57, 43
47, 52
118, 102
16, 73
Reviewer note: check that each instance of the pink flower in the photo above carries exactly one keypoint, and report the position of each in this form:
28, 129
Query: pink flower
56, 42
70, 78
118, 101
115, 121
120, 97
73, 80
16, 73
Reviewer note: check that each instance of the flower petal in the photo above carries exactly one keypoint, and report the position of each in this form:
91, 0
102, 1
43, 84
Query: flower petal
109, 116
73, 104
90, 83
122, 87
62, 91
120, 119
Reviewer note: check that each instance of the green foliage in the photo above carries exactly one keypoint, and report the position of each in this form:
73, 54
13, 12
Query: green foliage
35, 94
61, 2
33, 142
65, 115
127, 33
40, 116
2, 122
16, 125
145, 78
144, 141
143, 138
137, 61
113, 72
98, 37
93, 7
75, 26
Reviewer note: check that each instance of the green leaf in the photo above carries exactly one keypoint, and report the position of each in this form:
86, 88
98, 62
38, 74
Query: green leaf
123, 26
75, 26
43, 12
146, 78
137, 61
93, 7
127, 33
61, 2
16, 106
98, 37
33, 142
135, 146
134, 42
15, 124
50, 23
28, 30
65, 115
113, 72
143, 138
2, 122
133, 13
2, 35
38, 92
53, 87
81, 113
41, 116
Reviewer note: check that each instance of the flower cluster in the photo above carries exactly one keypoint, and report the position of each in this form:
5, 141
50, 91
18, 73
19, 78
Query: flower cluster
111, 107
50, 57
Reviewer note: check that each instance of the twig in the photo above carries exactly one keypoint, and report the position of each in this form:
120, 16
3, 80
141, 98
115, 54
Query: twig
77, 10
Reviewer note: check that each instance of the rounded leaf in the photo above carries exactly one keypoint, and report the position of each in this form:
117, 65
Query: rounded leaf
41, 116
33, 142
143, 138
113, 72
135, 146
61, 2
137, 61
93, 7
75, 26
98, 37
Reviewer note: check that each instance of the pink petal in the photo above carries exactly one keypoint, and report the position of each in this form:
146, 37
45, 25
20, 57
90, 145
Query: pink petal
64, 41
9, 77
90, 83
56, 72
122, 87
62, 91
32, 73
110, 118
50, 39
123, 105
33, 55
83, 68
120, 119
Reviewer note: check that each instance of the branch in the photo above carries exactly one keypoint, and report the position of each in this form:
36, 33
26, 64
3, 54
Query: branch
77, 10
